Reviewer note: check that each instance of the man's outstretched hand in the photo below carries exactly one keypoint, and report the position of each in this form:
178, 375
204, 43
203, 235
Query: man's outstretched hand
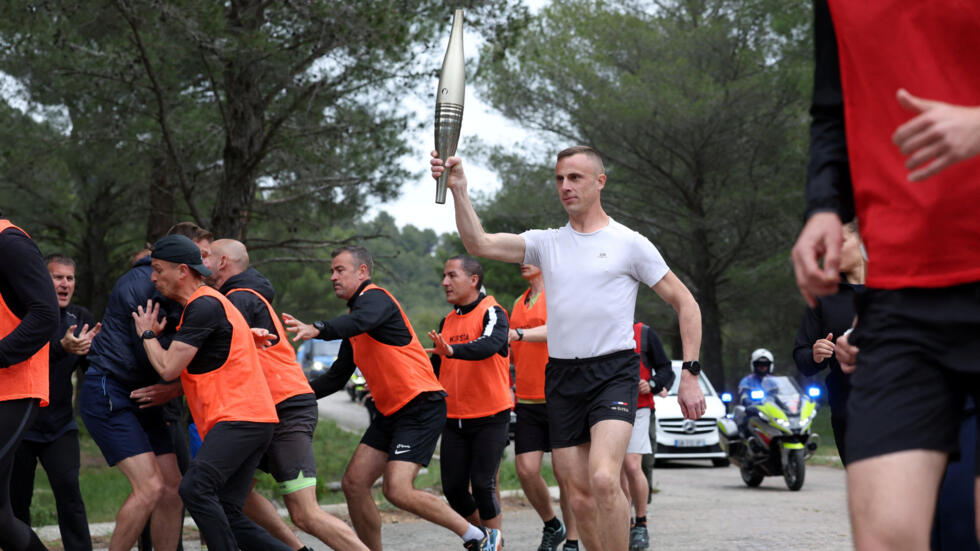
939, 136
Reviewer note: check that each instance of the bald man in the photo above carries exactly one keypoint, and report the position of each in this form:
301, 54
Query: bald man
289, 458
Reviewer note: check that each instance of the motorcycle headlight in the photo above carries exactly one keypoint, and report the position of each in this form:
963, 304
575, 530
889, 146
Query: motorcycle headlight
782, 422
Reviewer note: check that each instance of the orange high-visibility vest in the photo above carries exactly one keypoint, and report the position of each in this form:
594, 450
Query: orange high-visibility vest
395, 374
530, 358
29, 378
282, 372
235, 391
477, 388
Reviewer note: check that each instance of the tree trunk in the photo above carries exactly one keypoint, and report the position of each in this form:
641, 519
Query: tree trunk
244, 133
161, 216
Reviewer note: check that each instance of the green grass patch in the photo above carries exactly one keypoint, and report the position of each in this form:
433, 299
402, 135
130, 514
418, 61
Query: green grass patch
821, 425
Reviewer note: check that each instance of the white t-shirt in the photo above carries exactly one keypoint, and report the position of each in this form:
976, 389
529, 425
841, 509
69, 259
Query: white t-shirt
592, 280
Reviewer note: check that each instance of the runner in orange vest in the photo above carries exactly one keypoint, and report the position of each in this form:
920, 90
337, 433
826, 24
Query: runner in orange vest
471, 359
289, 458
215, 357
529, 353
28, 320
379, 340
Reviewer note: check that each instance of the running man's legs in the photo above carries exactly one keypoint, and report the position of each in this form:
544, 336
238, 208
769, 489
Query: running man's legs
399, 488
535, 488
310, 518
15, 417
365, 467
262, 512
906, 520
637, 480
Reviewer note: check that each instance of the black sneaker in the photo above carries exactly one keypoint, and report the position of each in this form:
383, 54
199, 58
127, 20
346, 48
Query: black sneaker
551, 538
639, 540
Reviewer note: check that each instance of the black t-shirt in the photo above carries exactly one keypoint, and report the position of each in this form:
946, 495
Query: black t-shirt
206, 327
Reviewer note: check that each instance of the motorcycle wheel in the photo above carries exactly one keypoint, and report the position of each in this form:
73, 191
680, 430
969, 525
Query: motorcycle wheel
750, 476
794, 471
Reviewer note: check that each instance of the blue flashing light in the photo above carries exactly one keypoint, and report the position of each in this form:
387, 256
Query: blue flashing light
813, 392
726, 397
757, 394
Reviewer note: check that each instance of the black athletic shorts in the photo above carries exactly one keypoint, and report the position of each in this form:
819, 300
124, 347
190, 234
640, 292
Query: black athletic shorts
289, 458
582, 392
919, 358
531, 432
411, 433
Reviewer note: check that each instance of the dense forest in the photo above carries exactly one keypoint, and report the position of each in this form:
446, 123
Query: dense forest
278, 123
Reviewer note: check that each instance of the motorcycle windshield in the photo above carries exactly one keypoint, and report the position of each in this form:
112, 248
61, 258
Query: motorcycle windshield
784, 390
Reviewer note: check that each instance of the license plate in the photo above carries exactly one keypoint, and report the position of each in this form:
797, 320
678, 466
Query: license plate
688, 443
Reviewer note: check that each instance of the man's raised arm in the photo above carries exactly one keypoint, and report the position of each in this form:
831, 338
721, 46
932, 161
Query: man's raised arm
507, 247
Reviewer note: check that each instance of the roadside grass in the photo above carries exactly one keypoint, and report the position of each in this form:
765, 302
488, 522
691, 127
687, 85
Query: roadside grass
104, 489
827, 453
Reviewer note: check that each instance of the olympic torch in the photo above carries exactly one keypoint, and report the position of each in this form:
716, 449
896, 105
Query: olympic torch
449, 101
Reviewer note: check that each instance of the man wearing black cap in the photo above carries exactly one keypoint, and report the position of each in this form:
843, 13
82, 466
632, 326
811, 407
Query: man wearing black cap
215, 357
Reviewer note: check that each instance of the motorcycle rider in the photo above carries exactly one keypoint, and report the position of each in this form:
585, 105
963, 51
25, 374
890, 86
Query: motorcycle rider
762, 364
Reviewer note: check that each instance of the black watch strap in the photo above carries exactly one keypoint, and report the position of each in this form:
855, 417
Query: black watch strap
148, 334
693, 366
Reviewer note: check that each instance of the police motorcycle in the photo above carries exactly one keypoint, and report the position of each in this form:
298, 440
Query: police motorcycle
356, 386
775, 437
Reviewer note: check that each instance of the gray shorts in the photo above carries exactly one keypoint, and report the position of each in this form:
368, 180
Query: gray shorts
289, 458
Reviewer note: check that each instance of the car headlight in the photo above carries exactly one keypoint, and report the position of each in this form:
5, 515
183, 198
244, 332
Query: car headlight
318, 366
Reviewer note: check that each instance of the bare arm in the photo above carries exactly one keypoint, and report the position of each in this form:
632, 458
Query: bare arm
507, 247
673, 291
532, 334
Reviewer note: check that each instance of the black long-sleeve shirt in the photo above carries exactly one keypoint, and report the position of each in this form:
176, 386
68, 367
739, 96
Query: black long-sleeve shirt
28, 292
833, 314
661, 373
372, 312
492, 340
828, 182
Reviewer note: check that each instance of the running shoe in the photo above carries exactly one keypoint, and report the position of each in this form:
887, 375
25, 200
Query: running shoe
496, 542
551, 538
491, 541
639, 540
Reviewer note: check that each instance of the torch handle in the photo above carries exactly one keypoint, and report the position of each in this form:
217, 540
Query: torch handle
449, 120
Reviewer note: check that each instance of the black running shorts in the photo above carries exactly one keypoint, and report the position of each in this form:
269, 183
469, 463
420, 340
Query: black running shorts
582, 392
411, 433
918, 359
531, 433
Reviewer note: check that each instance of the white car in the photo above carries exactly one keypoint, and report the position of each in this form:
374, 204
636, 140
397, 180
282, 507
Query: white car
679, 438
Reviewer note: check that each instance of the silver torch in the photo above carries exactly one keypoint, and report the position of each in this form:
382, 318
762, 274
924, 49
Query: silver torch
449, 101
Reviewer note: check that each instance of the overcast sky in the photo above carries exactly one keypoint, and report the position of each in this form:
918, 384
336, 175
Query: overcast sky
416, 205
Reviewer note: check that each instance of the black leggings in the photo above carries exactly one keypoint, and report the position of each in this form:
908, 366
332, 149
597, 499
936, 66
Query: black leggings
15, 417
218, 480
60, 459
469, 458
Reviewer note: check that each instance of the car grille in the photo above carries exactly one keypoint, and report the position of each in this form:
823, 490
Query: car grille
682, 426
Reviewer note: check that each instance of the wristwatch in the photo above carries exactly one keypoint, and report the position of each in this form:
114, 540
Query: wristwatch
319, 326
148, 334
520, 334
693, 366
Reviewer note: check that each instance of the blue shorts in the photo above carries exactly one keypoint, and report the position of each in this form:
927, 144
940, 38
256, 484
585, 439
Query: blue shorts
117, 424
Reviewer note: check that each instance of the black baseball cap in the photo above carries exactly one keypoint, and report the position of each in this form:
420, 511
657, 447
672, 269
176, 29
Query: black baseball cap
180, 250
